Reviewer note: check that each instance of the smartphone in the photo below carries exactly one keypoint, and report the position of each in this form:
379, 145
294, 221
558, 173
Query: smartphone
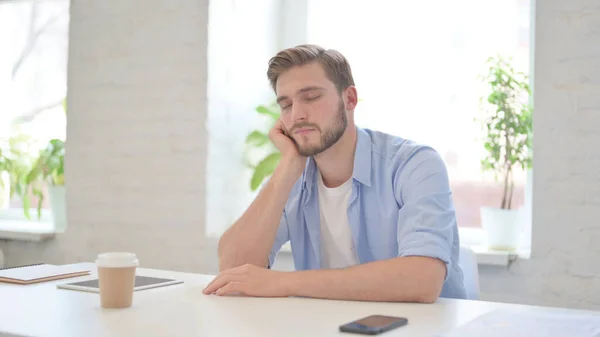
374, 324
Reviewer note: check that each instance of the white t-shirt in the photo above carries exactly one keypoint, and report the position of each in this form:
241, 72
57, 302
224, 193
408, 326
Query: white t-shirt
337, 247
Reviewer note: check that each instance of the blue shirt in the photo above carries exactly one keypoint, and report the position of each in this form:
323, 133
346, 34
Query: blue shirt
401, 205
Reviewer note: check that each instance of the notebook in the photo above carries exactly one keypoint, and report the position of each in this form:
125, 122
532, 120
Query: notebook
40, 272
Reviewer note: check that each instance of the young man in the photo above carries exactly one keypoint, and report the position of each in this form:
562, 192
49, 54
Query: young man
369, 216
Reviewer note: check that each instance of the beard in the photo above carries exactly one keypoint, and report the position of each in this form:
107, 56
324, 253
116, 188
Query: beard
329, 136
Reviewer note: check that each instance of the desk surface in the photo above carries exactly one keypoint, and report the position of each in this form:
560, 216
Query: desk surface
182, 310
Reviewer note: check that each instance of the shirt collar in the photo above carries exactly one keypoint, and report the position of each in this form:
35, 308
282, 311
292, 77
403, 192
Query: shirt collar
362, 157
362, 162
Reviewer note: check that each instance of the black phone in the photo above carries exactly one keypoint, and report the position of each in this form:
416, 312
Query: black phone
374, 324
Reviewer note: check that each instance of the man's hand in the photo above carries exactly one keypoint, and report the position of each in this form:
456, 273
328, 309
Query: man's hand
293, 163
400, 279
283, 141
249, 280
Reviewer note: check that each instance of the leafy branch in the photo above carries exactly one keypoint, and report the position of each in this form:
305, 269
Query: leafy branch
259, 139
16, 160
507, 122
49, 167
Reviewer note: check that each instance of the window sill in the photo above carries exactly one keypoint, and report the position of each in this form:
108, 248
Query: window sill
26, 230
14, 226
486, 257
474, 238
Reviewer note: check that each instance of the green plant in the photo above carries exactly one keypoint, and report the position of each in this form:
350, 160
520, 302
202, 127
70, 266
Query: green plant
5, 165
16, 160
49, 168
259, 140
507, 122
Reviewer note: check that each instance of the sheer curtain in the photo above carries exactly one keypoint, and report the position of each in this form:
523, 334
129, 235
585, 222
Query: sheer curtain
416, 65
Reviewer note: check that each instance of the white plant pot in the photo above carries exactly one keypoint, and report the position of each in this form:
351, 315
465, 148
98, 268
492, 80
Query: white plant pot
4, 190
58, 206
501, 227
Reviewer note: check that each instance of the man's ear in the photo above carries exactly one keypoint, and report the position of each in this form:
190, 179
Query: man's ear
351, 97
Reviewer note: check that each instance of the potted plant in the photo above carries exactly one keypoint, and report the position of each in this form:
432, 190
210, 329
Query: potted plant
48, 170
5, 194
258, 140
508, 135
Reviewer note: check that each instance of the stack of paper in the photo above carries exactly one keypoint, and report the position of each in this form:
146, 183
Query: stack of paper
41, 273
527, 323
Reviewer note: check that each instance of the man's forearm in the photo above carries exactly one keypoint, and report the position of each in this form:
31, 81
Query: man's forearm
250, 239
403, 279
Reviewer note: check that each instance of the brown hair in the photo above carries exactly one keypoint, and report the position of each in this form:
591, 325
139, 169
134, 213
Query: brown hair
336, 67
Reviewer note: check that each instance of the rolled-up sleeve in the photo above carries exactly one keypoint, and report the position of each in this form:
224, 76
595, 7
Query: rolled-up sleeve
281, 238
427, 216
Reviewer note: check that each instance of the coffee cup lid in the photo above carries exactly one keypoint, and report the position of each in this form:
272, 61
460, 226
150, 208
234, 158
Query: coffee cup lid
117, 260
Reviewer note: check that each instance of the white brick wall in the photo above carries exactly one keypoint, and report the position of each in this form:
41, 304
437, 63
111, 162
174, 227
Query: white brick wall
565, 267
146, 191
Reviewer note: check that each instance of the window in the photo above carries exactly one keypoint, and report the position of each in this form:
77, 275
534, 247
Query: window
416, 65
33, 81
241, 39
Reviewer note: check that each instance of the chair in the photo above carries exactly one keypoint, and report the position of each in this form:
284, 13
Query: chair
468, 263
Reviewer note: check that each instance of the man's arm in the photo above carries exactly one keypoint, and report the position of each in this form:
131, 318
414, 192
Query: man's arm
401, 279
250, 239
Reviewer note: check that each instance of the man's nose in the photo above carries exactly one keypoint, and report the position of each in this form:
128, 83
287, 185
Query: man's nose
298, 113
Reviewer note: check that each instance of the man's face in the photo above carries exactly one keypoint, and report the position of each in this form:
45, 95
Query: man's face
312, 110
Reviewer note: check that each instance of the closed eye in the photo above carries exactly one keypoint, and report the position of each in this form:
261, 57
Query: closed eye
313, 98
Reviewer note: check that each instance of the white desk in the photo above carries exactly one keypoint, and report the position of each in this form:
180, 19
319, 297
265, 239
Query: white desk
182, 310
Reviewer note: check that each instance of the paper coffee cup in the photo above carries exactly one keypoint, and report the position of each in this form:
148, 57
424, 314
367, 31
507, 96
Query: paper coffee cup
116, 278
